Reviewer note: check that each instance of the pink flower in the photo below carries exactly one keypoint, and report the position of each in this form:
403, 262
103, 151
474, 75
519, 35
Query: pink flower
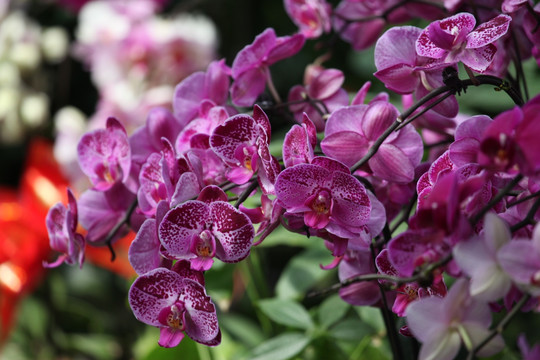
250, 67
453, 39
521, 260
477, 257
175, 301
442, 324
320, 86
198, 230
62, 225
311, 16
331, 200
350, 131
105, 155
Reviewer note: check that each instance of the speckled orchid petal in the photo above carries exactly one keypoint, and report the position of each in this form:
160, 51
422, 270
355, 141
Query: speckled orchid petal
165, 299
152, 186
351, 202
479, 59
488, 32
61, 225
180, 225
212, 193
236, 131
152, 292
294, 185
105, 155
233, 230
201, 320
296, 147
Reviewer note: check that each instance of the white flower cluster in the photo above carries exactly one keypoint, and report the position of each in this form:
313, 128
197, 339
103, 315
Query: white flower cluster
24, 47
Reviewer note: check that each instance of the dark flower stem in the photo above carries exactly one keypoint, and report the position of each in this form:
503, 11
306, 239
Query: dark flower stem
116, 228
480, 80
423, 274
528, 218
245, 194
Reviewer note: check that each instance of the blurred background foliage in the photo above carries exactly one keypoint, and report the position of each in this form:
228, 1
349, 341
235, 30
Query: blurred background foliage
263, 304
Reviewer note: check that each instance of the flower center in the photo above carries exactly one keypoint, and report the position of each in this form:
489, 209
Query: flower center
205, 245
322, 203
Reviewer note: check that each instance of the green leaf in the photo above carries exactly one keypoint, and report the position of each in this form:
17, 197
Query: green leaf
286, 312
350, 329
241, 328
303, 271
331, 310
371, 316
281, 347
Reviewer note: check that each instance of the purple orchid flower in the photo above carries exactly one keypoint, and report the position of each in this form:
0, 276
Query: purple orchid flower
105, 155
100, 211
330, 199
163, 177
364, 293
453, 39
250, 67
160, 123
402, 70
62, 225
350, 132
510, 143
190, 94
175, 302
311, 16
242, 143
199, 231
144, 252
321, 93
442, 324
299, 143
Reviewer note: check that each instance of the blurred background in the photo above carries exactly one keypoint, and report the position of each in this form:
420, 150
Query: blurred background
65, 66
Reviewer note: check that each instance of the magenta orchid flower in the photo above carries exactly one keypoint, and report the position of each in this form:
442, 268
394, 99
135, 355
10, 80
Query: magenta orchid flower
199, 231
242, 143
61, 226
299, 143
100, 212
105, 155
364, 293
161, 178
144, 252
455, 39
510, 143
326, 199
250, 67
311, 16
176, 303
350, 132
402, 70
443, 324
160, 123
321, 93
212, 85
